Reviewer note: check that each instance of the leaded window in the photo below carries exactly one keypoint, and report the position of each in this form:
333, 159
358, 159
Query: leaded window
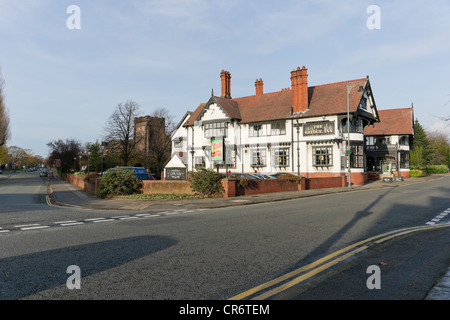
323, 156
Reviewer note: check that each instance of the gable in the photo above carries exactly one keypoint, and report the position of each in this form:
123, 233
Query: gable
367, 107
212, 112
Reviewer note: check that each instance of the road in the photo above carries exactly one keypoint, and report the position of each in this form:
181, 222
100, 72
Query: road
199, 254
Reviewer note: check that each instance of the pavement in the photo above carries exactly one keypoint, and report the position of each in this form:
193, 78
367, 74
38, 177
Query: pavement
64, 194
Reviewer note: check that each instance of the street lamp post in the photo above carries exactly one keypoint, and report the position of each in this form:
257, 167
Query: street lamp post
89, 159
102, 147
297, 125
349, 150
348, 137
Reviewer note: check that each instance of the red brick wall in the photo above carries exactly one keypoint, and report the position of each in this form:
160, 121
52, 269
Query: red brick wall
325, 182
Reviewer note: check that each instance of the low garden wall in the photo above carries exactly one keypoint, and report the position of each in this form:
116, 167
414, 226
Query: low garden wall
329, 182
88, 184
230, 185
168, 187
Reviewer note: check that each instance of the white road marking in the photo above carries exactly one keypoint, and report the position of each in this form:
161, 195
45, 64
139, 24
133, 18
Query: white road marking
72, 224
33, 228
26, 225
439, 217
104, 220
66, 223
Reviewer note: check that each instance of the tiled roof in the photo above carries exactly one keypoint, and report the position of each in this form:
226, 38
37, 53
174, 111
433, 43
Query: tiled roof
324, 99
332, 98
393, 121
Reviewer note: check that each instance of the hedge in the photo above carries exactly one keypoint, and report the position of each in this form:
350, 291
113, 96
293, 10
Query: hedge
437, 169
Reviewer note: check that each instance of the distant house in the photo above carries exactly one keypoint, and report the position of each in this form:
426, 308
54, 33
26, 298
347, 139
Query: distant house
390, 140
315, 131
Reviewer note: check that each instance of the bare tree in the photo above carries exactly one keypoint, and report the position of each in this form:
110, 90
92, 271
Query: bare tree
67, 152
4, 116
120, 129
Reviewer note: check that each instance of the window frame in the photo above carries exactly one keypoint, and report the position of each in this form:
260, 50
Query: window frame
215, 129
328, 156
277, 156
357, 156
260, 159
275, 131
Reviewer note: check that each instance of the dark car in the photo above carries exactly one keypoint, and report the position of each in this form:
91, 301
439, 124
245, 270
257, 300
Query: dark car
262, 176
144, 176
139, 172
43, 173
244, 175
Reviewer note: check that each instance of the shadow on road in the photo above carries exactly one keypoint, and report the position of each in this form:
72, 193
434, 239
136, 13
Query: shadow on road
29, 274
325, 246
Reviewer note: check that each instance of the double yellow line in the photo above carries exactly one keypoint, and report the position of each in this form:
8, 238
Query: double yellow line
299, 275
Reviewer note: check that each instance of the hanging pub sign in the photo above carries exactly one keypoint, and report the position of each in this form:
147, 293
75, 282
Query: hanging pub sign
217, 149
318, 128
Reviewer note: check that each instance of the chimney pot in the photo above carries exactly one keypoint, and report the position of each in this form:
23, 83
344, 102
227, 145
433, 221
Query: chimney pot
299, 81
259, 85
225, 77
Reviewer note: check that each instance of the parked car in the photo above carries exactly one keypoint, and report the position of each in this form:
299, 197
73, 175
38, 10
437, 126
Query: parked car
263, 176
1, 171
244, 175
144, 176
276, 175
139, 172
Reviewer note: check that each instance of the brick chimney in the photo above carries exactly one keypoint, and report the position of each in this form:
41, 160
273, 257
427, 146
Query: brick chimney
299, 83
259, 84
225, 77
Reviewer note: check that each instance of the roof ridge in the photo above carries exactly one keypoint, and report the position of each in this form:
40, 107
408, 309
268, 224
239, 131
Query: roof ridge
326, 84
264, 94
405, 108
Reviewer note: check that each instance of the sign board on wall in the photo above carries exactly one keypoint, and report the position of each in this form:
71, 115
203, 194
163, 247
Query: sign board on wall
317, 128
175, 174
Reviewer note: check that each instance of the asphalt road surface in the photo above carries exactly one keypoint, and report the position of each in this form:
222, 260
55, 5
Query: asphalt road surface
198, 254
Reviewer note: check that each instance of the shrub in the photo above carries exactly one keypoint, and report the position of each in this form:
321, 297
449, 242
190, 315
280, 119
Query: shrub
118, 183
206, 182
243, 182
417, 173
290, 177
437, 169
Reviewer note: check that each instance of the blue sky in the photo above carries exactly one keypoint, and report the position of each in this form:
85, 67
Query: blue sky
63, 83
